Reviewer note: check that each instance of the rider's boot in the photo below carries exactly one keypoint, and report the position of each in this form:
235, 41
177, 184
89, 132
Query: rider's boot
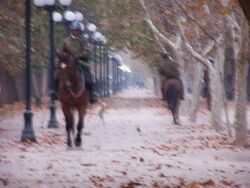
93, 96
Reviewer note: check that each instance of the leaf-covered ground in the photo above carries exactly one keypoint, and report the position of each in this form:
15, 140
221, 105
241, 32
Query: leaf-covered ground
135, 146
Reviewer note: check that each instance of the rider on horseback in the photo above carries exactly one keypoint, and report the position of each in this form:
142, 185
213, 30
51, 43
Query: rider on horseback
81, 48
168, 69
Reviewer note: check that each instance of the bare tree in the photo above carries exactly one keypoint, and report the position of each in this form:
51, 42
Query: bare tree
241, 87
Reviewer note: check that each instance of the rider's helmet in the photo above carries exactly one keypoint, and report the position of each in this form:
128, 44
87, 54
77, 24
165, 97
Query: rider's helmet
166, 55
211, 60
76, 25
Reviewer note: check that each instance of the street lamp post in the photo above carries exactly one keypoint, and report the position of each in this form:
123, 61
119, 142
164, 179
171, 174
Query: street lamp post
106, 74
100, 40
28, 133
115, 75
50, 6
53, 121
89, 33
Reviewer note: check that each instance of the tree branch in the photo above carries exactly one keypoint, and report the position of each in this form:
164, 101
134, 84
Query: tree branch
155, 31
209, 47
185, 13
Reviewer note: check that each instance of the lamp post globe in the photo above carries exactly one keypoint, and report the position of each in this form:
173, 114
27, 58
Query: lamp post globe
43, 3
65, 2
39, 3
97, 36
86, 35
78, 16
103, 39
49, 2
82, 27
57, 17
69, 16
91, 27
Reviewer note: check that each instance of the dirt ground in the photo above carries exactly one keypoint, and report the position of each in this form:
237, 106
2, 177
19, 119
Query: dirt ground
136, 145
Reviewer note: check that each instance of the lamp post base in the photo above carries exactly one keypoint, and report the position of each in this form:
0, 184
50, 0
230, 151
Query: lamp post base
53, 121
28, 133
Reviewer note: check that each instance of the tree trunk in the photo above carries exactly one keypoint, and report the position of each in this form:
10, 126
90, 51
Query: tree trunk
199, 72
196, 92
241, 85
215, 107
157, 83
214, 77
248, 83
217, 89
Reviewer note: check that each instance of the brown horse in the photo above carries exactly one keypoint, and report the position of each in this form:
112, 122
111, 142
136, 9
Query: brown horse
72, 94
172, 89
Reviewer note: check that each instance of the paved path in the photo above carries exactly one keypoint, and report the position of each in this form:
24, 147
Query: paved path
136, 146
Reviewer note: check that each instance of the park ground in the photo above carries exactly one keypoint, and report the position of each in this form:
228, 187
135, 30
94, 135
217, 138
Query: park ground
135, 145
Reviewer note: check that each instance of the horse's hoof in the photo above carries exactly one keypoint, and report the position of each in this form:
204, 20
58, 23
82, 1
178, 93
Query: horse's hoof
177, 123
69, 143
78, 142
70, 148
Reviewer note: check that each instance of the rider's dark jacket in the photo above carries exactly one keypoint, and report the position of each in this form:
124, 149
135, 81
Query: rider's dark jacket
80, 47
168, 70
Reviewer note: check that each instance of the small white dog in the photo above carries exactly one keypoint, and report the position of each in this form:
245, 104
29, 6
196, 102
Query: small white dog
101, 112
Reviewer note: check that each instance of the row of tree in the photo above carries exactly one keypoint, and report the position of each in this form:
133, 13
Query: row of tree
206, 24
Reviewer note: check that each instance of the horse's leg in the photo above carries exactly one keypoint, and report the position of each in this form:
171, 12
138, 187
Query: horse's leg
69, 122
177, 113
172, 109
81, 112
174, 116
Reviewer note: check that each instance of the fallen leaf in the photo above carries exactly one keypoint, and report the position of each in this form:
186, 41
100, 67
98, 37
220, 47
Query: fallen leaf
124, 173
225, 182
5, 181
193, 185
162, 175
208, 183
88, 164
50, 167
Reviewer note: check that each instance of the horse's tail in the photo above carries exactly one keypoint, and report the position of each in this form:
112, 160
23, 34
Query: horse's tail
172, 97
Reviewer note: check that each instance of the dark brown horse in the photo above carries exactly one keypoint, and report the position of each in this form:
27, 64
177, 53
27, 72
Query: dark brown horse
72, 94
172, 89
